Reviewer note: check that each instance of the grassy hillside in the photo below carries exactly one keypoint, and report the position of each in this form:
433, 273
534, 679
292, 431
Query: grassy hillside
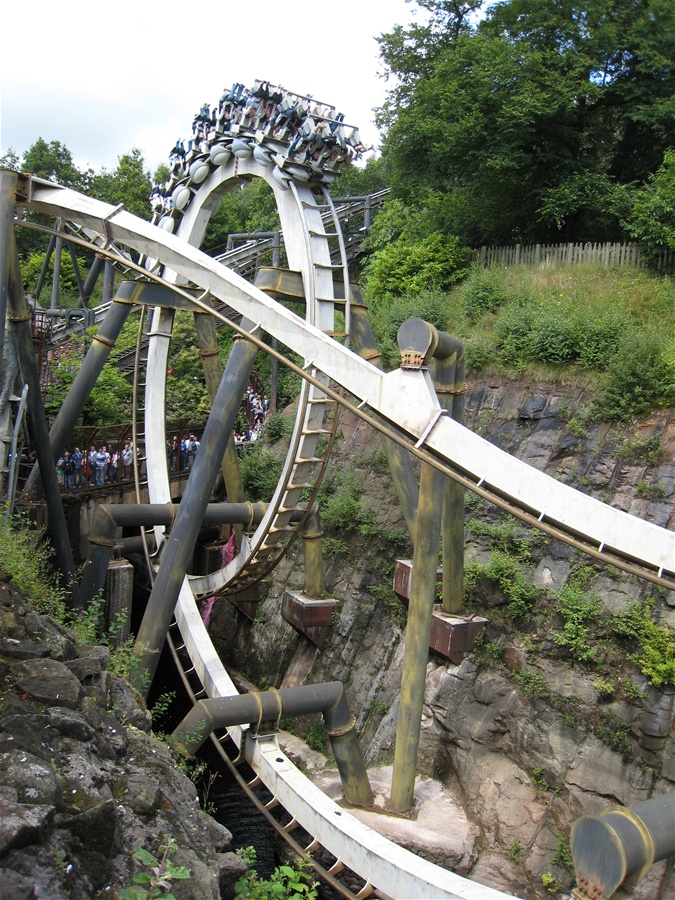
611, 330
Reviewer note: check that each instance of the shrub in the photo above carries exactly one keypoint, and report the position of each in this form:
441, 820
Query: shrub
553, 336
509, 576
640, 377
478, 354
260, 472
598, 338
277, 426
512, 331
483, 294
285, 883
408, 266
656, 654
577, 609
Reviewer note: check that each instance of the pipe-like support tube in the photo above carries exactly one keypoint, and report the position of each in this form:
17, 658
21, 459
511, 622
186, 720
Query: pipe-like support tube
398, 458
311, 533
423, 345
109, 518
418, 631
21, 318
8, 182
269, 706
205, 328
619, 843
180, 544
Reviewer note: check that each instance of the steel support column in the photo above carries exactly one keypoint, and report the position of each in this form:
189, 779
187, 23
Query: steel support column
447, 369
8, 182
418, 631
421, 343
398, 458
311, 533
21, 318
207, 338
181, 540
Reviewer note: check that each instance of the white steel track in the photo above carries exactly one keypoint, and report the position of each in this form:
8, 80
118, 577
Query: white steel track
304, 213
407, 399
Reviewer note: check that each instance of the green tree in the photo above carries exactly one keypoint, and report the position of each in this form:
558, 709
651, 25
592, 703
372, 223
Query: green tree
652, 219
129, 183
54, 161
534, 122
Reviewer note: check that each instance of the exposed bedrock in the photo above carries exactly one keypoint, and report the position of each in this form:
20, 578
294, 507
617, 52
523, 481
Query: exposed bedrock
522, 734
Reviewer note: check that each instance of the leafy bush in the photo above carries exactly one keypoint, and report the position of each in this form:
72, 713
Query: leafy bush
285, 883
341, 508
513, 330
483, 293
260, 472
157, 881
277, 426
577, 609
656, 655
652, 221
407, 266
509, 576
640, 377
598, 337
478, 354
25, 558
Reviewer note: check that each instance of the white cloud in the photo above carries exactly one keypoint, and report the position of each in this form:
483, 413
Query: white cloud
135, 74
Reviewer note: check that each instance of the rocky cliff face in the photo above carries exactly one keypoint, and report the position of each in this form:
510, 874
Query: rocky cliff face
83, 782
532, 730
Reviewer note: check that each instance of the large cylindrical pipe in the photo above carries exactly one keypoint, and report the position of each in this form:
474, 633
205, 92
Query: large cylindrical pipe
398, 458
424, 345
21, 319
205, 328
418, 632
269, 706
621, 842
180, 544
110, 517
311, 533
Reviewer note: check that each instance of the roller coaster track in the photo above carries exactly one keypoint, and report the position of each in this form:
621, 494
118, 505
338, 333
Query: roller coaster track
404, 398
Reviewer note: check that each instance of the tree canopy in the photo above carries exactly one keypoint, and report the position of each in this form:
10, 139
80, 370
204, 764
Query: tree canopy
536, 123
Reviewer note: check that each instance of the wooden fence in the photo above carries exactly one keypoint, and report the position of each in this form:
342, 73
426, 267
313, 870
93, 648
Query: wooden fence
570, 254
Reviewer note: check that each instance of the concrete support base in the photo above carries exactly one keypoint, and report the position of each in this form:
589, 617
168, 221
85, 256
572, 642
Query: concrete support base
246, 601
452, 636
310, 617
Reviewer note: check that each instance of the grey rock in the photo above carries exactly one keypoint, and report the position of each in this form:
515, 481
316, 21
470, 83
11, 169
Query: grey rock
71, 724
84, 668
230, 869
22, 823
35, 781
97, 828
14, 886
48, 681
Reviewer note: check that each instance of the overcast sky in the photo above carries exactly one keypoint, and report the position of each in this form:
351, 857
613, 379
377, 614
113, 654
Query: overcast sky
105, 78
